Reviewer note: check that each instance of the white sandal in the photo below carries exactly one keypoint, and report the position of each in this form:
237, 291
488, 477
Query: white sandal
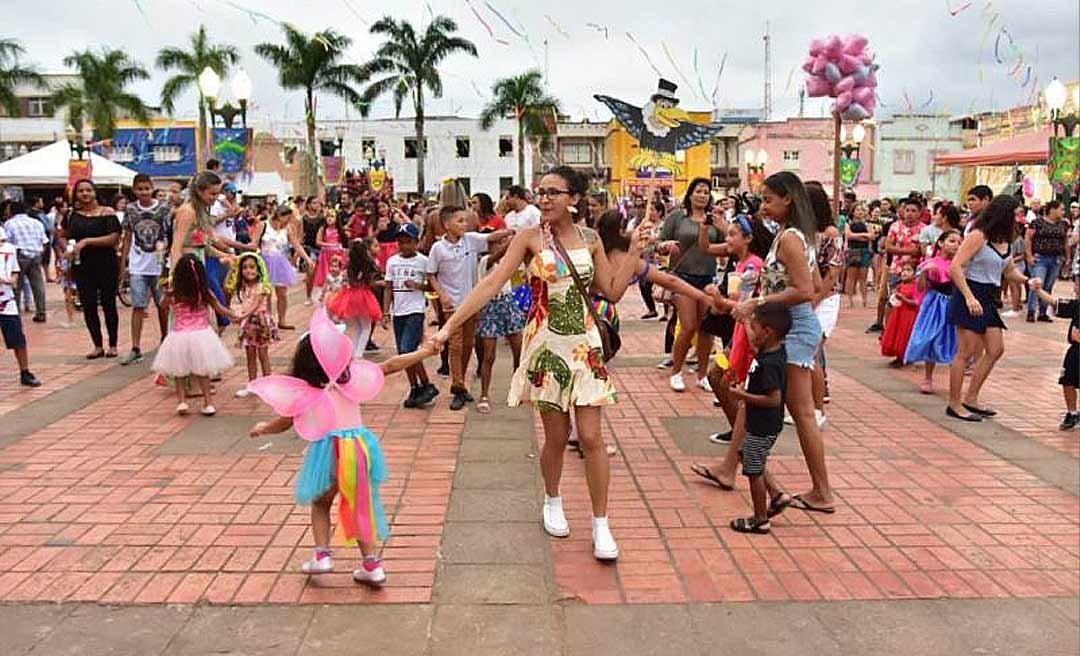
182, 408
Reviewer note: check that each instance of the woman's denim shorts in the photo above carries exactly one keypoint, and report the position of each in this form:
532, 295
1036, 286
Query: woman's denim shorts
804, 337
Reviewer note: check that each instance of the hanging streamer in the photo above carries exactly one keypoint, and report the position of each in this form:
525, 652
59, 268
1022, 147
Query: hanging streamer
908, 101
716, 87
502, 18
790, 75
142, 12
354, 12
955, 12
558, 28
648, 60
674, 66
598, 28
697, 74
928, 100
487, 27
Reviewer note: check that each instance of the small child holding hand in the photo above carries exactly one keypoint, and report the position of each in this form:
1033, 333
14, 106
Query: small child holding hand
761, 416
1070, 368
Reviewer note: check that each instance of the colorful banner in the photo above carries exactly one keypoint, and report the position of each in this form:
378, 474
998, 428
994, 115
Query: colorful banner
849, 171
333, 169
230, 147
377, 178
79, 169
1064, 165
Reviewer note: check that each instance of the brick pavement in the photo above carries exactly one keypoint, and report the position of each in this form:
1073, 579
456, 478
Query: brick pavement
104, 505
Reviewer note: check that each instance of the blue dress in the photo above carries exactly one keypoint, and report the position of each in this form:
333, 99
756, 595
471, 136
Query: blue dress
933, 339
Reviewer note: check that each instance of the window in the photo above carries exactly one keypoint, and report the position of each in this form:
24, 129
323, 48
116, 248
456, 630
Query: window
327, 147
791, 160
715, 148
367, 149
505, 183
506, 146
463, 147
167, 153
39, 107
466, 184
123, 154
575, 153
410, 147
903, 162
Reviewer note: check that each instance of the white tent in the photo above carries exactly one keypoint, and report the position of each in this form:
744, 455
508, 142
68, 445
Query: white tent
49, 166
264, 183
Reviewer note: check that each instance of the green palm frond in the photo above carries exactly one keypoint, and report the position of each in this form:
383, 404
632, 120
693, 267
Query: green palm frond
102, 94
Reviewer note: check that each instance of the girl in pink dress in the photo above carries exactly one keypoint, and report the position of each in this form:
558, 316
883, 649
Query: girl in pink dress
192, 348
329, 243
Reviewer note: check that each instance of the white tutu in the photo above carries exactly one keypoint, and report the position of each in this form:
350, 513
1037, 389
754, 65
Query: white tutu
828, 312
192, 352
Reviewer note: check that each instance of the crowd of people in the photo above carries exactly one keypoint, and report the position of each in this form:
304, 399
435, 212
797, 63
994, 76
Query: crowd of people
752, 284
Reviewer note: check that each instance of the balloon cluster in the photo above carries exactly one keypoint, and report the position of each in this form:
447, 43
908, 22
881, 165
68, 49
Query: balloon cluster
843, 68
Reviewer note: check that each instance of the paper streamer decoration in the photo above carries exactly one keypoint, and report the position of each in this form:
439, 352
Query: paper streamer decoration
505, 22
648, 60
955, 12
558, 28
674, 66
598, 28
487, 27
716, 87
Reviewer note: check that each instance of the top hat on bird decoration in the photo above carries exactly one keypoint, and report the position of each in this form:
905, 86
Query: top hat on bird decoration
665, 90
842, 67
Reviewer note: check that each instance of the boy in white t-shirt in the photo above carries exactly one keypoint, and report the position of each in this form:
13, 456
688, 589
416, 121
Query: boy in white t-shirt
406, 278
452, 274
10, 323
522, 214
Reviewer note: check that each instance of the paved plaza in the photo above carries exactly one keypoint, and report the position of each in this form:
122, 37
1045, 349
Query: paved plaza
125, 529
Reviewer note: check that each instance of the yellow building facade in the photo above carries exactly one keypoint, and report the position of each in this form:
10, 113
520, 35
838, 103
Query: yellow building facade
620, 148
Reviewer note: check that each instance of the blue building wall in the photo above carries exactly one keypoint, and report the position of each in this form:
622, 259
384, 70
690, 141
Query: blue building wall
142, 140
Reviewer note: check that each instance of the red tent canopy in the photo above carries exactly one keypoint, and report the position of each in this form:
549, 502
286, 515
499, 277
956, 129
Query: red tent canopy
1030, 148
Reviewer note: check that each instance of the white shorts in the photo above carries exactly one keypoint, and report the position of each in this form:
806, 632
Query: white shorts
828, 311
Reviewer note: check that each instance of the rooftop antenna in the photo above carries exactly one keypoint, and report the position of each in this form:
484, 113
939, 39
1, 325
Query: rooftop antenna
547, 68
768, 74
802, 100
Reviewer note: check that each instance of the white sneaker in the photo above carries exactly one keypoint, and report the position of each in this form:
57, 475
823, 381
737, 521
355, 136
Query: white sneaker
374, 577
209, 411
666, 363
182, 408
677, 383
704, 384
819, 416
1010, 313
787, 419
308, 302
555, 523
243, 393
318, 565
604, 547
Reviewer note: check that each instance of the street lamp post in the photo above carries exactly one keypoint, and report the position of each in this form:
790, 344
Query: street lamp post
1063, 160
209, 85
241, 88
77, 143
848, 175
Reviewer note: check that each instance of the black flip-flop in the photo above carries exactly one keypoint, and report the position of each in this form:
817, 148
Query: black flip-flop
780, 504
984, 412
703, 471
750, 525
95, 355
802, 504
956, 415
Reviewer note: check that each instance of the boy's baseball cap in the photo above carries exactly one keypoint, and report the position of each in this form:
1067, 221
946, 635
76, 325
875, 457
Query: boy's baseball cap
230, 188
408, 230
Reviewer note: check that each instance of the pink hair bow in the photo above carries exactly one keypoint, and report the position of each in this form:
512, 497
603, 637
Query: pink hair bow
312, 408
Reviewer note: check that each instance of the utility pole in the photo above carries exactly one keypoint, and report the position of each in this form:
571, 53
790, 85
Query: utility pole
802, 100
547, 69
768, 74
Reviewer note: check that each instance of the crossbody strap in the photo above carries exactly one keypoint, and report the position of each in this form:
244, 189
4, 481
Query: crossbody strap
577, 279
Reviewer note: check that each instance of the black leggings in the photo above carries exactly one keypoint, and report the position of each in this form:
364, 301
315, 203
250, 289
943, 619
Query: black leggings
103, 285
646, 289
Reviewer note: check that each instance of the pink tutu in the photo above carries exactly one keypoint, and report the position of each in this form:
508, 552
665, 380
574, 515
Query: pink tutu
325, 256
355, 302
192, 352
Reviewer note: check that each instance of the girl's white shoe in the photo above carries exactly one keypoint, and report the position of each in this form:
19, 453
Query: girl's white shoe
370, 572
182, 408
209, 411
604, 547
243, 393
318, 565
555, 523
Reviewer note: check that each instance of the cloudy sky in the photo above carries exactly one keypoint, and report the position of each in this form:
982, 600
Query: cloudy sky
931, 60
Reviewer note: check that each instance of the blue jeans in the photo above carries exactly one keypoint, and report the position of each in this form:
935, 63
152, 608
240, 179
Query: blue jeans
1046, 269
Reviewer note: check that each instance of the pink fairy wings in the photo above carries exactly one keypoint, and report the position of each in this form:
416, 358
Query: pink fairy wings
312, 408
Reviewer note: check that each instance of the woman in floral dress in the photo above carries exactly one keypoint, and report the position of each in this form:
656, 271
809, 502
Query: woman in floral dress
562, 364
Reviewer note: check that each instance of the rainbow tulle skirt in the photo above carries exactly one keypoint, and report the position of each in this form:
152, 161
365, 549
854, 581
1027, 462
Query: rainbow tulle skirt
354, 463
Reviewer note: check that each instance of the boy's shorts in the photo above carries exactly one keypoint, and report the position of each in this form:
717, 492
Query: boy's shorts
142, 288
409, 332
1070, 368
11, 327
755, 453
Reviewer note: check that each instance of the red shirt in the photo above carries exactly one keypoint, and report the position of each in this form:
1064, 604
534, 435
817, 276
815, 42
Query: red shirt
358, 226
494, 223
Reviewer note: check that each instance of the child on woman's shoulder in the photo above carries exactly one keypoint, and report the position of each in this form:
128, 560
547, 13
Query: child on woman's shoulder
1070, 368
761, 416
321, 400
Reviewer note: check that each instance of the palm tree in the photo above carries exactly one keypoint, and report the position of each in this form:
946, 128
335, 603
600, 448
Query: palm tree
313, 64
189, 62
102, 95
525, 98
407, 63
12, 74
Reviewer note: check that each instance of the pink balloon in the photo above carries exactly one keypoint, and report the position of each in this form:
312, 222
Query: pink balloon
832, 73
849, 64
817, 46
856, 112
819, 65
856, 44
862, 95
843, 100
818, 87
846, 84
808, 65
865, 58
834, 47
